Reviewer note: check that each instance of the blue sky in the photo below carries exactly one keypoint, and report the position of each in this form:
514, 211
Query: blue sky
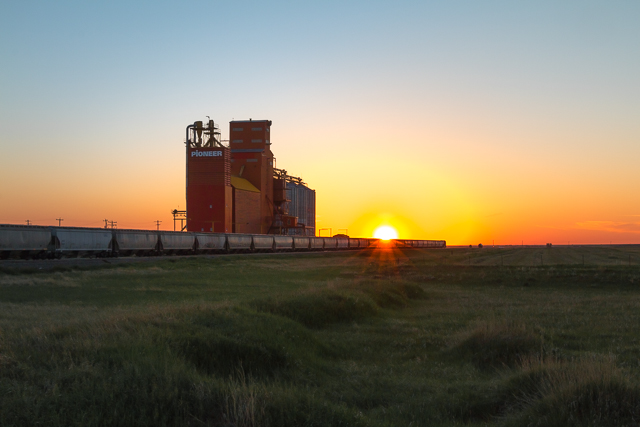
547, 93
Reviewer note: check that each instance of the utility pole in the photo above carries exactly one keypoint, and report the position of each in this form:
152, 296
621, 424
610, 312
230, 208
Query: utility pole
158, 224
28, 222
179, 215
114, 224
323, 229
106, 222
59, 221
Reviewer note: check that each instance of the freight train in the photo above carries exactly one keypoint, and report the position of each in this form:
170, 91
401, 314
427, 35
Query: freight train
30, 241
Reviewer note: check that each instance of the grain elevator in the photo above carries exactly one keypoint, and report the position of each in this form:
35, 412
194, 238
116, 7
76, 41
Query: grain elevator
236, 188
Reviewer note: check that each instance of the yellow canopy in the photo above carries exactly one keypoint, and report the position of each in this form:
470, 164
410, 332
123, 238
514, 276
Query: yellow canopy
242, 184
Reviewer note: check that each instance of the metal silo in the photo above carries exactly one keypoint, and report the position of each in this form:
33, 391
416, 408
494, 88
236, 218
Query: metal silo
303, 206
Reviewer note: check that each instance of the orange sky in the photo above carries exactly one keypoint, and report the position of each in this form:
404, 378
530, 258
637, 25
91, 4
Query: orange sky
426, 191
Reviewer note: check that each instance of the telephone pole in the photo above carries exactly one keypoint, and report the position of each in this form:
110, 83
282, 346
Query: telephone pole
158, 224
28, 222
59, 221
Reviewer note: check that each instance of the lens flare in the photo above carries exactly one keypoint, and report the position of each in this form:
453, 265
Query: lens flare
385, 232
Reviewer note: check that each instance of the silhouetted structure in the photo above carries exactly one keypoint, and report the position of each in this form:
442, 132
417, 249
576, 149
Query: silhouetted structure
237, 189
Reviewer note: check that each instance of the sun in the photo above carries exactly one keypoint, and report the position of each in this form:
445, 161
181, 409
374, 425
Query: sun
385, 232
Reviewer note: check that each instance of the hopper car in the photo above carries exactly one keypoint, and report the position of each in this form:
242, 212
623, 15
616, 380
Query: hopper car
29, 241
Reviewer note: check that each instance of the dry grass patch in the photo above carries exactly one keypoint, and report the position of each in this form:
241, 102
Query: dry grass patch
586, 392
54, 279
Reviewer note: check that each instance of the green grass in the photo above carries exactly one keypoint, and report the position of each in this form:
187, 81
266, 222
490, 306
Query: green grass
378, 338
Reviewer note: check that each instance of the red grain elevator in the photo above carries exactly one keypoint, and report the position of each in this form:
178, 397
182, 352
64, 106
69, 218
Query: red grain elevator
236, 189
252, 160
209, 191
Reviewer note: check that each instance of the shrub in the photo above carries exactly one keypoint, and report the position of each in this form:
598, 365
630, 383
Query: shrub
493, 345
316, 309
587, 392
389, 294
219, 341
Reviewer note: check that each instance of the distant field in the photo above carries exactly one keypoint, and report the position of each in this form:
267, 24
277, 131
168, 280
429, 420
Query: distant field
588, 255
492, 336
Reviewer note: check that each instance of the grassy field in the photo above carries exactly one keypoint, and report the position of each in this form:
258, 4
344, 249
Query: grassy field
480, 337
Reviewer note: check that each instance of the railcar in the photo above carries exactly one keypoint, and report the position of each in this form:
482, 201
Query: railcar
316, 243
300, 243
174, 242
330, 243
136, 242
76, 241
262, 242
239, 242
24, 241
283, 243
211, 242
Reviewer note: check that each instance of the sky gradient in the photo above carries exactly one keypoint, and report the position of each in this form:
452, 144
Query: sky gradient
472, 122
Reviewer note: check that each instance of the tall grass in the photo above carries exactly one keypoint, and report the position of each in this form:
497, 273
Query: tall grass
351, 340
341, 302
244, 403
167, 365
499, 344
585, 392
